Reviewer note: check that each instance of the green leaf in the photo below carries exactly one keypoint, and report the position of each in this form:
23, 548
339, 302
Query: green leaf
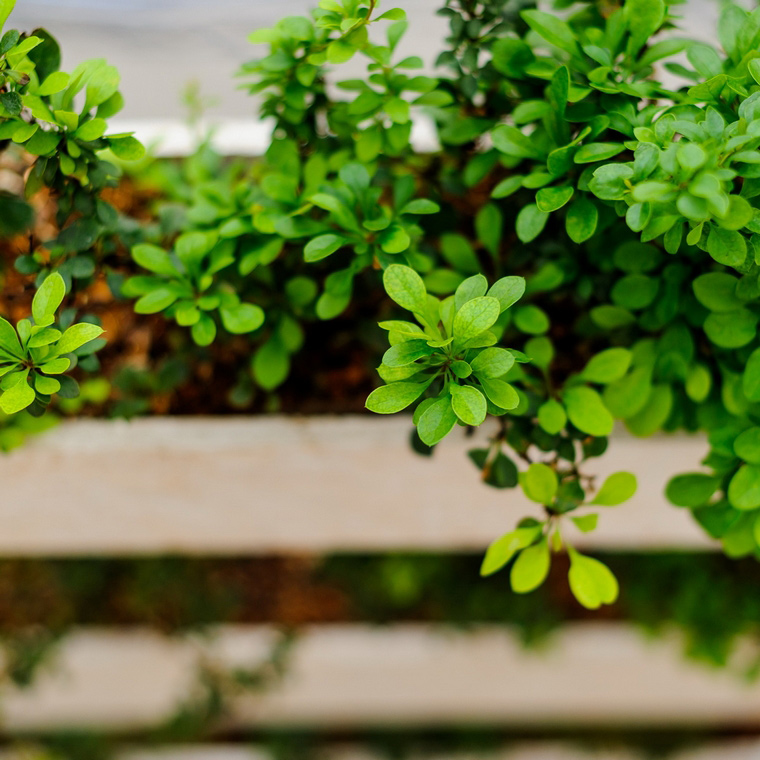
91, 130
395, 239
691, 156
532, 320
607, 366
203, 331
592, 152
591, 582
469, 404
552, 416
501, 472
608, 182
398, 110
644, 18
489, 225
340, 51
750, 379
692, 490
616, 489
541, 351
322, 246
635, 291
476, 316
436, 421
530, 568
472, 287
76, 336
507, 291
48, 298
731, 329
6, 6
18, 397
153, 258
539, 483
392, 398
698, 383
744, 488
627, 396
530, 222
727, 247
243, 318
394, 14
553, 30
55, 366
492, 362
501, 551
13, 104
155, 301
705, 59
42, 143
513, 142
420, 206
581, 220
500, 393
9, 338
44, 337
654, 412
587, 523
9, 39
587, 411
54, 83
460, 368
405, 287
459, 253
46, 385
753, 67
271, 365
717, 291
406, 353
126, 148
747, 445
511, 56
550, 199
508, 186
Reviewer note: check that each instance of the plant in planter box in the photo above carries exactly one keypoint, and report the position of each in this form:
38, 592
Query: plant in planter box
580, 250
59, 227
627, 205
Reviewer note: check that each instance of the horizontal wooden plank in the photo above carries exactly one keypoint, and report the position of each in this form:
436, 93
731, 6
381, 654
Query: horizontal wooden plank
349, 676
727, 750
235, 137
274, 484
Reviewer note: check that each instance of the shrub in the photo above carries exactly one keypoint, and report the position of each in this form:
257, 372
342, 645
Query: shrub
58, 120
599, 220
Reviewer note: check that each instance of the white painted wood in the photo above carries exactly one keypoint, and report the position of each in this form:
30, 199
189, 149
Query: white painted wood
194, 752
274, 484
729, 750
233, 137
404, 675
159, 47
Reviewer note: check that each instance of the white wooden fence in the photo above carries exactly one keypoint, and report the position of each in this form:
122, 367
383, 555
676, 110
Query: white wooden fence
270, 484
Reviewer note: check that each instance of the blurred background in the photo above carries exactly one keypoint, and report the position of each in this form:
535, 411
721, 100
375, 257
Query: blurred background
159, 47
338, 653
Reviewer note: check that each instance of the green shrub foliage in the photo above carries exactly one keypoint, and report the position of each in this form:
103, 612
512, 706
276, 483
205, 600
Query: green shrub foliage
58, 120
583, 247
614, 215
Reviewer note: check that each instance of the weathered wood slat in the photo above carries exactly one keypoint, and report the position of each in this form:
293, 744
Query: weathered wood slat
729, 750
273, 484
402, 675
